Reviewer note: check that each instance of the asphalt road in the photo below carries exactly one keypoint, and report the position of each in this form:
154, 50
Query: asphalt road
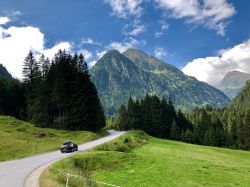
14, 173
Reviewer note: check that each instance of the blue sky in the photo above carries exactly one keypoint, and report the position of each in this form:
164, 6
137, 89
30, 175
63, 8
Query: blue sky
176, 31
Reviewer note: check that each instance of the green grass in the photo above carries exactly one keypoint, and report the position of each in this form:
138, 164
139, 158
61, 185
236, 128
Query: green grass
21, 139
155, 162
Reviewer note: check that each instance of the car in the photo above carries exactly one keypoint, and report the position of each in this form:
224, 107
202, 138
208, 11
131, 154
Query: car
68, 146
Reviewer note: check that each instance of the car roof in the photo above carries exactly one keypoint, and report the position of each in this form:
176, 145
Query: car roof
67, 142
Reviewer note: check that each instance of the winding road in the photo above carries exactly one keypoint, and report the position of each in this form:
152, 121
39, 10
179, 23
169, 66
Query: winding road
25, 172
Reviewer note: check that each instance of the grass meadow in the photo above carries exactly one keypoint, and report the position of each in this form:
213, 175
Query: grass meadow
137, 160
20, 139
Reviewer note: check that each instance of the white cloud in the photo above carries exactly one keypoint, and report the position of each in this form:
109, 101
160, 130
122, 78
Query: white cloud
212, 14
160, 52
125, 8
158, 34
87, 54
163, 28
92, 63
52, 51
4, 20
100, 54
213, 69
90, 42
137, 29
123, 46
164, 25
15, 43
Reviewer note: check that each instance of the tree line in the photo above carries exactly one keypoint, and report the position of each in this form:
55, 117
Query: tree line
12, 100
153, 115
204, 126
58, 93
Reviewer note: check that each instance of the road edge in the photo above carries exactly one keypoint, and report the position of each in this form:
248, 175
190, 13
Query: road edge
33, 179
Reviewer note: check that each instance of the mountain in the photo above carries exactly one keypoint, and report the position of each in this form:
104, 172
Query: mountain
4, 73
118, 76
240, 103
233, 82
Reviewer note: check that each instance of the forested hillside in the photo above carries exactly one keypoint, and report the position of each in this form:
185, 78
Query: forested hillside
235, 119
227, 127
11, 95
57, 93
118, 76
4, 73
61, 93
12, 101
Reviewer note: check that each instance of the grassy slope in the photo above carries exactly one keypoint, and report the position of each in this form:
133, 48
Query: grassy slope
158, 163
20, 139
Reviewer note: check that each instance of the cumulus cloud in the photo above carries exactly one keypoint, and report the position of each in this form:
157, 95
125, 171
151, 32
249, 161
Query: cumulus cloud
87, 54
15, 42
160, 52
4, 20
125, 8
52, 51
123, 46
212, 14
213, 69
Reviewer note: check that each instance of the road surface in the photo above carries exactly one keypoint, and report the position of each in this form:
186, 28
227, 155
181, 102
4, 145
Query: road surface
14, 173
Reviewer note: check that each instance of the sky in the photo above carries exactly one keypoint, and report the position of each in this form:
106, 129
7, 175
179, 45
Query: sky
203, 38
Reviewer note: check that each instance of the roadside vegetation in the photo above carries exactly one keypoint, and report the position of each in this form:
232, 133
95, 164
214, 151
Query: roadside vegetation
228, 127
135, 159
21, 139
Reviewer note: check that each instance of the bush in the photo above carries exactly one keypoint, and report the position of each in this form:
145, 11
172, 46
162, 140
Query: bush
126, 143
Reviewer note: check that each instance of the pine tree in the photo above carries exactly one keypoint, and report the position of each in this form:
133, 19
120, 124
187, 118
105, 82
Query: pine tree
209, 137
189, 136
32, 81
30, 69
182, 121
130, 114
122, 117
62, 94
175, 131
45, 65
244, 134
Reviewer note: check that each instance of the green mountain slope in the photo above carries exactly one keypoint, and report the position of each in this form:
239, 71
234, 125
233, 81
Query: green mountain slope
160, 163
4, 73
118, 76
233, 82
241, 102
21, 139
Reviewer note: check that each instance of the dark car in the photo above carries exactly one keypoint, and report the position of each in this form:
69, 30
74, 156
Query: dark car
68, 147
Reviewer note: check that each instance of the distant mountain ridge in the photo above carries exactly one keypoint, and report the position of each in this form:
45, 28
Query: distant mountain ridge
233, 82
118, 76
240, 103
4, 72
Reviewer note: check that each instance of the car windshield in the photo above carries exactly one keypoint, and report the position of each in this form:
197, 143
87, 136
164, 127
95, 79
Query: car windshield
67, 143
